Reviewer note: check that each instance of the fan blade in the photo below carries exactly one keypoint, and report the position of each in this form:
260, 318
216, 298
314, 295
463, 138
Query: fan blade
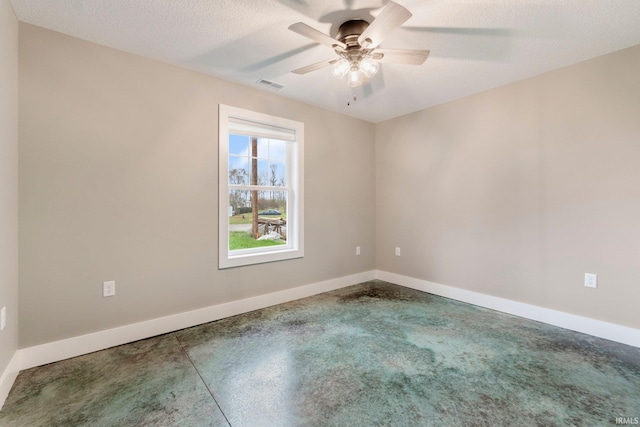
313, 67
315, 35
392, 16
401, 56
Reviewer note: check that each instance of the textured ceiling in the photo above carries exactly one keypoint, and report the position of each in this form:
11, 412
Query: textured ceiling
475, 44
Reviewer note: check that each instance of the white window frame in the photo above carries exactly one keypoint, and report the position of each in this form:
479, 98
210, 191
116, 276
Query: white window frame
294, 248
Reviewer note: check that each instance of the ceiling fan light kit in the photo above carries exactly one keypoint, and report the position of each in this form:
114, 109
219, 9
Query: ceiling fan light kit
369, 67
357, 70
341, 68
356, 46
355, 78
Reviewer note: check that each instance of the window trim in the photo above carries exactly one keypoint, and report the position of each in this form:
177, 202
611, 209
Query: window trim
295, 208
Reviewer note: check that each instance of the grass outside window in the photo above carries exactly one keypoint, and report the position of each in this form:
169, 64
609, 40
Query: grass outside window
243, 240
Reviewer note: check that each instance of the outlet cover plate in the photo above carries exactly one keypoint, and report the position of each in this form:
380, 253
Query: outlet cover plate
109, 288
590, 280
3, 318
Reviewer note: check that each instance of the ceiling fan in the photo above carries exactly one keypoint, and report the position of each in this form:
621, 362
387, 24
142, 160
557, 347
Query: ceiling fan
356, 45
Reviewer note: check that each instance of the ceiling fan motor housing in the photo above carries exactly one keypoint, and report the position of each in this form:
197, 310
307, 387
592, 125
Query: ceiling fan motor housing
349, 32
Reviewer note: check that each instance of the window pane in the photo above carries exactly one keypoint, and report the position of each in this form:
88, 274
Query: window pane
263, 148
263, 172
239, 145
238, 202
277, 150
271, 215
277, 174
239, 170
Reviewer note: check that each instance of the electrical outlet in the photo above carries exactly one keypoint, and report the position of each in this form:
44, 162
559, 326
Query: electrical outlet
109, 288
3, 318
590, 280
397, 251
357, 250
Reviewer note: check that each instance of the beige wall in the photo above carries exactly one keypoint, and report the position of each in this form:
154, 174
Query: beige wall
518, 191
8, 180
515, 192
118, 180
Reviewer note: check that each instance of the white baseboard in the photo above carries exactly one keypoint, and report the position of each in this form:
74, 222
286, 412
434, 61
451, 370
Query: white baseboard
8, 377
52, 352
76, 346
598, 328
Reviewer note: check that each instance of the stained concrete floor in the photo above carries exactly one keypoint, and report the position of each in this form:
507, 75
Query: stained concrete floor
373, 354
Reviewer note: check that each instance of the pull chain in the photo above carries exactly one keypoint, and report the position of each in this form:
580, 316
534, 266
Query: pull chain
353, 95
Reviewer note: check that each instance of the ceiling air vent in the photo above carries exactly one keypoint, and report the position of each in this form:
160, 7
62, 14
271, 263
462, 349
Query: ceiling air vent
270, 84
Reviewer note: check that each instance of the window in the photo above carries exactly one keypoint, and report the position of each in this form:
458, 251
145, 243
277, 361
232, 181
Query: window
261, 188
